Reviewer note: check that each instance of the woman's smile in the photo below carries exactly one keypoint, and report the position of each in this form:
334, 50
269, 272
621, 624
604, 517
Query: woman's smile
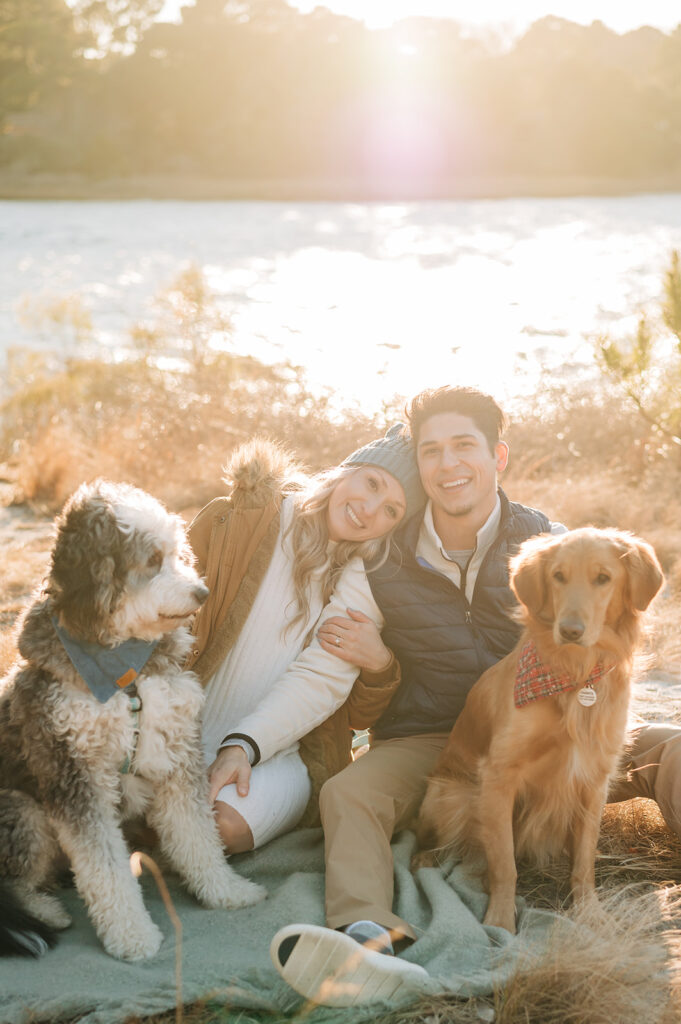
365, 504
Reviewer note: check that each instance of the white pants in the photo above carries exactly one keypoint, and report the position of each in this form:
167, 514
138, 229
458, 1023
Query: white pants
278, 794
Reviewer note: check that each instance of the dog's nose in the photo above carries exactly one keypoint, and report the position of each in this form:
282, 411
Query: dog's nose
200, 592
571, 630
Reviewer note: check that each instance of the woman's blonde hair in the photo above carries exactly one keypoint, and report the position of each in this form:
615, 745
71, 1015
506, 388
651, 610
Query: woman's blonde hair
309, 538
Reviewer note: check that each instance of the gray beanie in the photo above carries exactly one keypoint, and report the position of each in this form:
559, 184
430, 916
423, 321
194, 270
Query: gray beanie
395, 453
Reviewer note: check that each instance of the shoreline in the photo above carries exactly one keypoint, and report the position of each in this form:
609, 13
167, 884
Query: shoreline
17, 186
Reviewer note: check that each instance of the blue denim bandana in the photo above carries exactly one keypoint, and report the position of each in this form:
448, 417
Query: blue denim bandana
106, 670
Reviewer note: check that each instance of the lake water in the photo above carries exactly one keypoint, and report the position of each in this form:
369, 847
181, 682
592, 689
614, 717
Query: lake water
371, 299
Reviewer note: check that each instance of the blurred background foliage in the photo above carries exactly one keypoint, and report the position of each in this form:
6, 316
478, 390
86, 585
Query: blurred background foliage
179, 382
166, 412
253, 90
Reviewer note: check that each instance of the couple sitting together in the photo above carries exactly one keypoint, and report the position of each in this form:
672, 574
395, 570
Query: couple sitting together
372, 596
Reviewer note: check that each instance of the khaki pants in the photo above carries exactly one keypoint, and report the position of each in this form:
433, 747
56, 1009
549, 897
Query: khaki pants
652, 764
375, 796
361, 808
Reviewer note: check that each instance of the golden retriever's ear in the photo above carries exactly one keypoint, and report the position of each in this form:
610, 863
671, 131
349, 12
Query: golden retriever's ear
645, 575
527, 576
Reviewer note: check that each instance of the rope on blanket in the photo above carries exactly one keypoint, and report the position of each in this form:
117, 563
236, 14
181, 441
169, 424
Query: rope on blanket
138, 860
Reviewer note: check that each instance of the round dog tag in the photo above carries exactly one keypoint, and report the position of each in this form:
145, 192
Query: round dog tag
587, 696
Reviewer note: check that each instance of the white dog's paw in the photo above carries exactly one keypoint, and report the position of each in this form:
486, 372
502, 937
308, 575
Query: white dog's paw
140, 941
48, 908
57, 917
237, 892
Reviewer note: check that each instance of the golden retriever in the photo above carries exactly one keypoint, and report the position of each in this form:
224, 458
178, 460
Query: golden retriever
525, 771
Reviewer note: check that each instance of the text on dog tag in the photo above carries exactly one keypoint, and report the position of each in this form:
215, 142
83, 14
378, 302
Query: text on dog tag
587, 696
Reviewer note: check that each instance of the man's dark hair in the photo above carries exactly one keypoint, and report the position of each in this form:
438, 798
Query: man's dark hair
479, 407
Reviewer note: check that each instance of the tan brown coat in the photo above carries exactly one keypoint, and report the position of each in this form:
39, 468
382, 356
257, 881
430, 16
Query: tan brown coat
233, 539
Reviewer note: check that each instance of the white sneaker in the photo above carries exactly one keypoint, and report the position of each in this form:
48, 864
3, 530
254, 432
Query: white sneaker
330, 968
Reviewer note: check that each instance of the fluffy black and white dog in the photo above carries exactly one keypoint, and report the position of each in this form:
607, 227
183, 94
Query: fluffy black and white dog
99, 721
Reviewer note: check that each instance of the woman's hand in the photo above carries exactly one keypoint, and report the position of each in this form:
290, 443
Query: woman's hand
231, 765
356, 639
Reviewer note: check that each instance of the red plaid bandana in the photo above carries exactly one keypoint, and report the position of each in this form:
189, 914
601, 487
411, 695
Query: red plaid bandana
534, 680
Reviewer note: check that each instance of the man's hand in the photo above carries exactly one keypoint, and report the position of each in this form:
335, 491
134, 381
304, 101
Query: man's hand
231, 765
355, 639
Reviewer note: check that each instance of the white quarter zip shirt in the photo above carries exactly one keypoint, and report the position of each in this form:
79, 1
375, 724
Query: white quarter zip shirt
430, 550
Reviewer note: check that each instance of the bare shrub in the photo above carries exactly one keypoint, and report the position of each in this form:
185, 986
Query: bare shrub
617, 961
51, 466
170, 432
8, 652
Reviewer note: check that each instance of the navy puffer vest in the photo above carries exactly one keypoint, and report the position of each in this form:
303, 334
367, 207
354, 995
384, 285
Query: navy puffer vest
442, 642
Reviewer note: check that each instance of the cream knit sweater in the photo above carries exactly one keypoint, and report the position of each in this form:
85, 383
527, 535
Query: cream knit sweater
270, 686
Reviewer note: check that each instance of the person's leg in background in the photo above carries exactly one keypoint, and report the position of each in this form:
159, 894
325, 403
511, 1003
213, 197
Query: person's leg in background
652, 764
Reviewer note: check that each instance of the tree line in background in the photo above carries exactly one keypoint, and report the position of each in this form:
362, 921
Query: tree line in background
253, 90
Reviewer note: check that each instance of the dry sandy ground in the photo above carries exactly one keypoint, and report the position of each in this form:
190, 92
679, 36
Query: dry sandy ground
25, 542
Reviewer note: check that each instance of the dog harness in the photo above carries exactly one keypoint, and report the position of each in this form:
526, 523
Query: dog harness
135, 702
108, 670
534, 680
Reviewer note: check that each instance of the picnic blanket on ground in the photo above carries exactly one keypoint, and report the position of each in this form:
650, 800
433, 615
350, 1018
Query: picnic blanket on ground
225, 954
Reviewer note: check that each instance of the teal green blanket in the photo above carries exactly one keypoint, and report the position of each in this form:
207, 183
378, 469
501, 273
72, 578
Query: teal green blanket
225, 954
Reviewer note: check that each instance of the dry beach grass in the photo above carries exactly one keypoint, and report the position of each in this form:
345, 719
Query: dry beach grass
583, 460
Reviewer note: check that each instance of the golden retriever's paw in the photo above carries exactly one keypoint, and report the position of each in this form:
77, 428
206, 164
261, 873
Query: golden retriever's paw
588, 908
140, 940
424, 859
502, 913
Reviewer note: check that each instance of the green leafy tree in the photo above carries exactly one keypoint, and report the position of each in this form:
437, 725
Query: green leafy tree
37, 44
115, 25
647, 367
253, 91
42, 43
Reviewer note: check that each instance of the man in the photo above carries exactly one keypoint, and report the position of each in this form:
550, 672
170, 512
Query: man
445, 598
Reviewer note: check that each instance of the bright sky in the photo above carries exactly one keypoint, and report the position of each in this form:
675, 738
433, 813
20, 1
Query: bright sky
620, 15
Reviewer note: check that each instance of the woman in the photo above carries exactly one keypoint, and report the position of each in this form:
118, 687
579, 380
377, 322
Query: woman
280, 555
